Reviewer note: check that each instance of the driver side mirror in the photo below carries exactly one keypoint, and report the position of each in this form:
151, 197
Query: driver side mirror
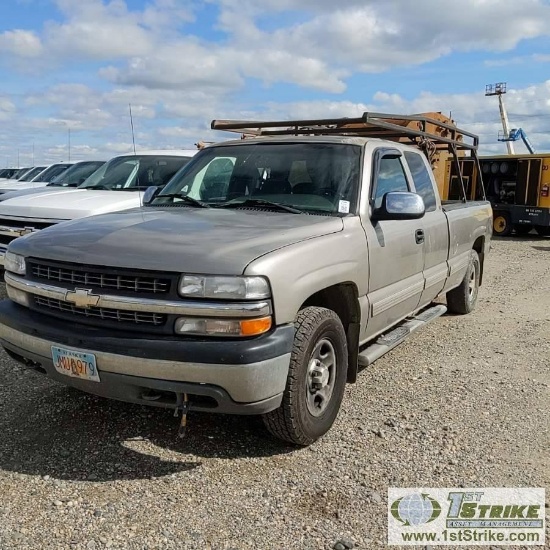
400, 205
150, 194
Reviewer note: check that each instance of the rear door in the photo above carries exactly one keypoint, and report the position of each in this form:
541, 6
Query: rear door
436, 229
396, 251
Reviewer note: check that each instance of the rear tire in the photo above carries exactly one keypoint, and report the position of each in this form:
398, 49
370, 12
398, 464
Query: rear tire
316, 379
543, 230
502, 224
463, 298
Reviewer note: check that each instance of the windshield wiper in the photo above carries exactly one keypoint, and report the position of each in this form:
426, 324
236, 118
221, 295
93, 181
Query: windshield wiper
185, 198
98, 186
264, 203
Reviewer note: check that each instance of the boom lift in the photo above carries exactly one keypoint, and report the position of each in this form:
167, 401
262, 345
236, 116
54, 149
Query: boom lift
515, 135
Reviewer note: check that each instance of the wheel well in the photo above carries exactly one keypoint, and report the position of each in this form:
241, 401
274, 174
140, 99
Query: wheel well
479, 247
343, 299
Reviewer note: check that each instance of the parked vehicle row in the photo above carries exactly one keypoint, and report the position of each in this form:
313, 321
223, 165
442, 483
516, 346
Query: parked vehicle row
8, 173
258, 280
38, 176
111, 187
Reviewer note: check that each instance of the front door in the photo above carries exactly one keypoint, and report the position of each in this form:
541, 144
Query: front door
436, 231
396, 251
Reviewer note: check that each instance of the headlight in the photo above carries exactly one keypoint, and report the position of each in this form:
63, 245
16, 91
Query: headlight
193, 326
14, 263
228, 288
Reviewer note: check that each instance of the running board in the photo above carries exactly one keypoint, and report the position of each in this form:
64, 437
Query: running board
398, 335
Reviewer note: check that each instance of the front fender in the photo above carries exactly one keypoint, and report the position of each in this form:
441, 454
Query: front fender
298, 271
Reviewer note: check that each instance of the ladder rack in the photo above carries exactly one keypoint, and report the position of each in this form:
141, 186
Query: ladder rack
379, 125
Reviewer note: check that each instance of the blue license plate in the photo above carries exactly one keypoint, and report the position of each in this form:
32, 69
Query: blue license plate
76, 364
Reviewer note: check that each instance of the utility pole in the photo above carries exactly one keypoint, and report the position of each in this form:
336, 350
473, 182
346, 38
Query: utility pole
499, 89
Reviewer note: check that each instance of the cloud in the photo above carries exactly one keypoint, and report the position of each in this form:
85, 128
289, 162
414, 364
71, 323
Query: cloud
177, 81
152, 47
103, 129
179, 64
372, 36
518, 60
20, 43
97, 30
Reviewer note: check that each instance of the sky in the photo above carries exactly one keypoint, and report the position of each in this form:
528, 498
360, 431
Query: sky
74, 66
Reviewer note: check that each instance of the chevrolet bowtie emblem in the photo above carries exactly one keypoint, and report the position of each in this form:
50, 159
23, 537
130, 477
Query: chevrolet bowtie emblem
82, 297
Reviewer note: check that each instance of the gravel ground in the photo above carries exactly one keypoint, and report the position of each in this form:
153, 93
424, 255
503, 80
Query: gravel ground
463, 403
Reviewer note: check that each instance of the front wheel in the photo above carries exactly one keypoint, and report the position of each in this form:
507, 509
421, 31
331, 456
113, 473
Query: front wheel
463, 298
316, 379
543, 230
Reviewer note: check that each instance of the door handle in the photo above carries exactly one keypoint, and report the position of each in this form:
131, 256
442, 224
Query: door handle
419, 236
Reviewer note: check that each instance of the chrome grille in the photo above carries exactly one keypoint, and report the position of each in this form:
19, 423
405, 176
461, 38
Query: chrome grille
97, 279
128, 317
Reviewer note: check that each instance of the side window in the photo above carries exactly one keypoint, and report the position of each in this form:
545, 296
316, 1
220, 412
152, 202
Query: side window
391, 177
422, 180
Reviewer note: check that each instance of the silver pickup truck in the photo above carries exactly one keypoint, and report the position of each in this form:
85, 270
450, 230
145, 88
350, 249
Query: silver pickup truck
258, 281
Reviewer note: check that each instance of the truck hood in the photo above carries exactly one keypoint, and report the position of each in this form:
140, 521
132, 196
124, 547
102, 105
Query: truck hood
210, 241
69, 204
24, 192
13, 185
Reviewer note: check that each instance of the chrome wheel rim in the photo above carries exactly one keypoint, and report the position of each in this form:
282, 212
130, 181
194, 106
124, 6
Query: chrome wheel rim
321, 375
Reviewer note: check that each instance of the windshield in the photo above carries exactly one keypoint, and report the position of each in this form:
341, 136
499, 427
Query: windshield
32, 173
311, 177
135, 172
21, 173
51, 172
76, 174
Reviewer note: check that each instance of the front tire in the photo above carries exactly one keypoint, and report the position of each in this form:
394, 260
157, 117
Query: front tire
463, 298
316, 379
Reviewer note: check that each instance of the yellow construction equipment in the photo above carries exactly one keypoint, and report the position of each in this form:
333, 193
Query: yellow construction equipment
518, 187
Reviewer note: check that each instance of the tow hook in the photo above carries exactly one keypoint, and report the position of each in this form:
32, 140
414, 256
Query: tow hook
182, 404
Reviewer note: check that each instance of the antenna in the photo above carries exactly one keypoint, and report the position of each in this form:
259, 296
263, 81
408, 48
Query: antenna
33, 152
69, 143
499, 89
132, 125
134, 145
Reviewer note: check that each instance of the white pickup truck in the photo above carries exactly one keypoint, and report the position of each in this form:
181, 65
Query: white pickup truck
74, 176
114, 187
39, 176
